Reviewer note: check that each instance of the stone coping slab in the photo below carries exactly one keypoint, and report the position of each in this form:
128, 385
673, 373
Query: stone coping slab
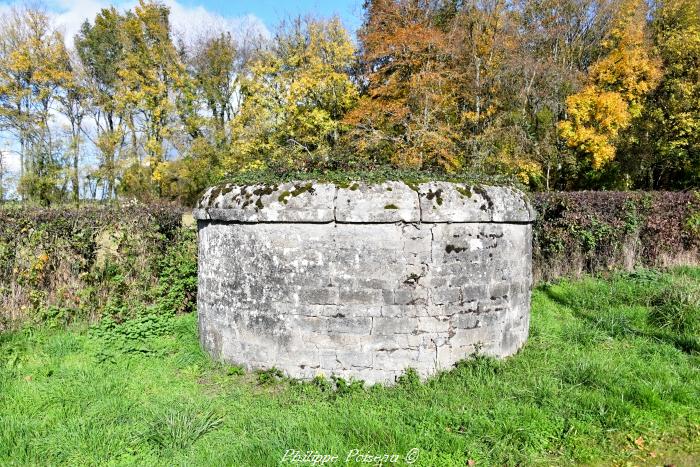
363, 203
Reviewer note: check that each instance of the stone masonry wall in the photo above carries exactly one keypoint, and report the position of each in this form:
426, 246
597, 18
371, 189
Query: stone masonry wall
363, 281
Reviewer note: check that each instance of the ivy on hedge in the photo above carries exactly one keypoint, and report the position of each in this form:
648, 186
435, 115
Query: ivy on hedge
60, 264
54, 269
593, 231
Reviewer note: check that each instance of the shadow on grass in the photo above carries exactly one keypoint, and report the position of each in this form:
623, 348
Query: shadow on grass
616, 323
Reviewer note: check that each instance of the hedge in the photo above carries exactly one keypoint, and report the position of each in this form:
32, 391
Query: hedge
62, 264
595, 231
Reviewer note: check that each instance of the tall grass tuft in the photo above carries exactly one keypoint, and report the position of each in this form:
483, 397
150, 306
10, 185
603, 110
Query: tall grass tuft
676, 308
180, 428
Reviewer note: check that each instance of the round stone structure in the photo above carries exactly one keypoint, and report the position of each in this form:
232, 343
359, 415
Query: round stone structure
363, 281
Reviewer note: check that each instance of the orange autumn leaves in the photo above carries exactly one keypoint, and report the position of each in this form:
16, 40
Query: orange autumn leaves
465, 85
562, 94
428, 83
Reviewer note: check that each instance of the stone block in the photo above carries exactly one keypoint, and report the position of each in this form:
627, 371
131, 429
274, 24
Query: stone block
385, 202
451, 202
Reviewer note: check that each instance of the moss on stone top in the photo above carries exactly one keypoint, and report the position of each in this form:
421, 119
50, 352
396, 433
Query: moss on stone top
350, 179
465, 191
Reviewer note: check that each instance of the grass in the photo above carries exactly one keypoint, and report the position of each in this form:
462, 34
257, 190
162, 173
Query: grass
604, 378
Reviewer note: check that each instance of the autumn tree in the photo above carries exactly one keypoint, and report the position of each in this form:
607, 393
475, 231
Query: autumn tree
669, 136
408, 114
485, 38
436, 85
554, 44
559, 93
616, 88
150, 74
33, 66
72, 101
215, 63
100, 49
294, 98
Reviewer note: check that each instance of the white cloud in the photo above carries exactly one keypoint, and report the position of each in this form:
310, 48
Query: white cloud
70, 15
192, 22
188, 22
10, 159
11, 162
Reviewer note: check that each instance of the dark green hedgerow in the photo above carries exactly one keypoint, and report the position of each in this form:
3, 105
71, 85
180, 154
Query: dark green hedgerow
594, 231
62, 264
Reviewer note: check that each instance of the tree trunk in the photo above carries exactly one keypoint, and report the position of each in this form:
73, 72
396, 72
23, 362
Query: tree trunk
76, 175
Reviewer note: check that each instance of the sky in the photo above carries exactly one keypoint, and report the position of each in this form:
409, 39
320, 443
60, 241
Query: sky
188, 18
271, 11
190, 15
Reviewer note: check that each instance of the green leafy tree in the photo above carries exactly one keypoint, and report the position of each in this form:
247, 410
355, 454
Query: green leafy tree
99, 46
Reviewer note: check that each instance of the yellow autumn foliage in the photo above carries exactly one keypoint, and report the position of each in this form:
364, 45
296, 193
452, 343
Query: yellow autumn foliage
296, 95
595, 119
616, 86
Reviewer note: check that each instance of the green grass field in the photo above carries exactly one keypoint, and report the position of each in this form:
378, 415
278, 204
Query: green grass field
610, 375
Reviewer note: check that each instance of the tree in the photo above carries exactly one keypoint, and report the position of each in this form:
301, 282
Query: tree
436, 90
150, 73
72, 101
555, 43
408, 113
670, 136
617, 86
216, 68
100, 49
33, 66
295, 97
216, 64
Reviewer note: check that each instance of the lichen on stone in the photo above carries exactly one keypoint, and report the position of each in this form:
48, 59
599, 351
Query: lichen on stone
413, 186
464, 191
437, 195
265, 190
283, 197
299, 189
481, 191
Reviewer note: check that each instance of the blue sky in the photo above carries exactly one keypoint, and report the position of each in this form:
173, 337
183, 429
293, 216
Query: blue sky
268, 13
271, 11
